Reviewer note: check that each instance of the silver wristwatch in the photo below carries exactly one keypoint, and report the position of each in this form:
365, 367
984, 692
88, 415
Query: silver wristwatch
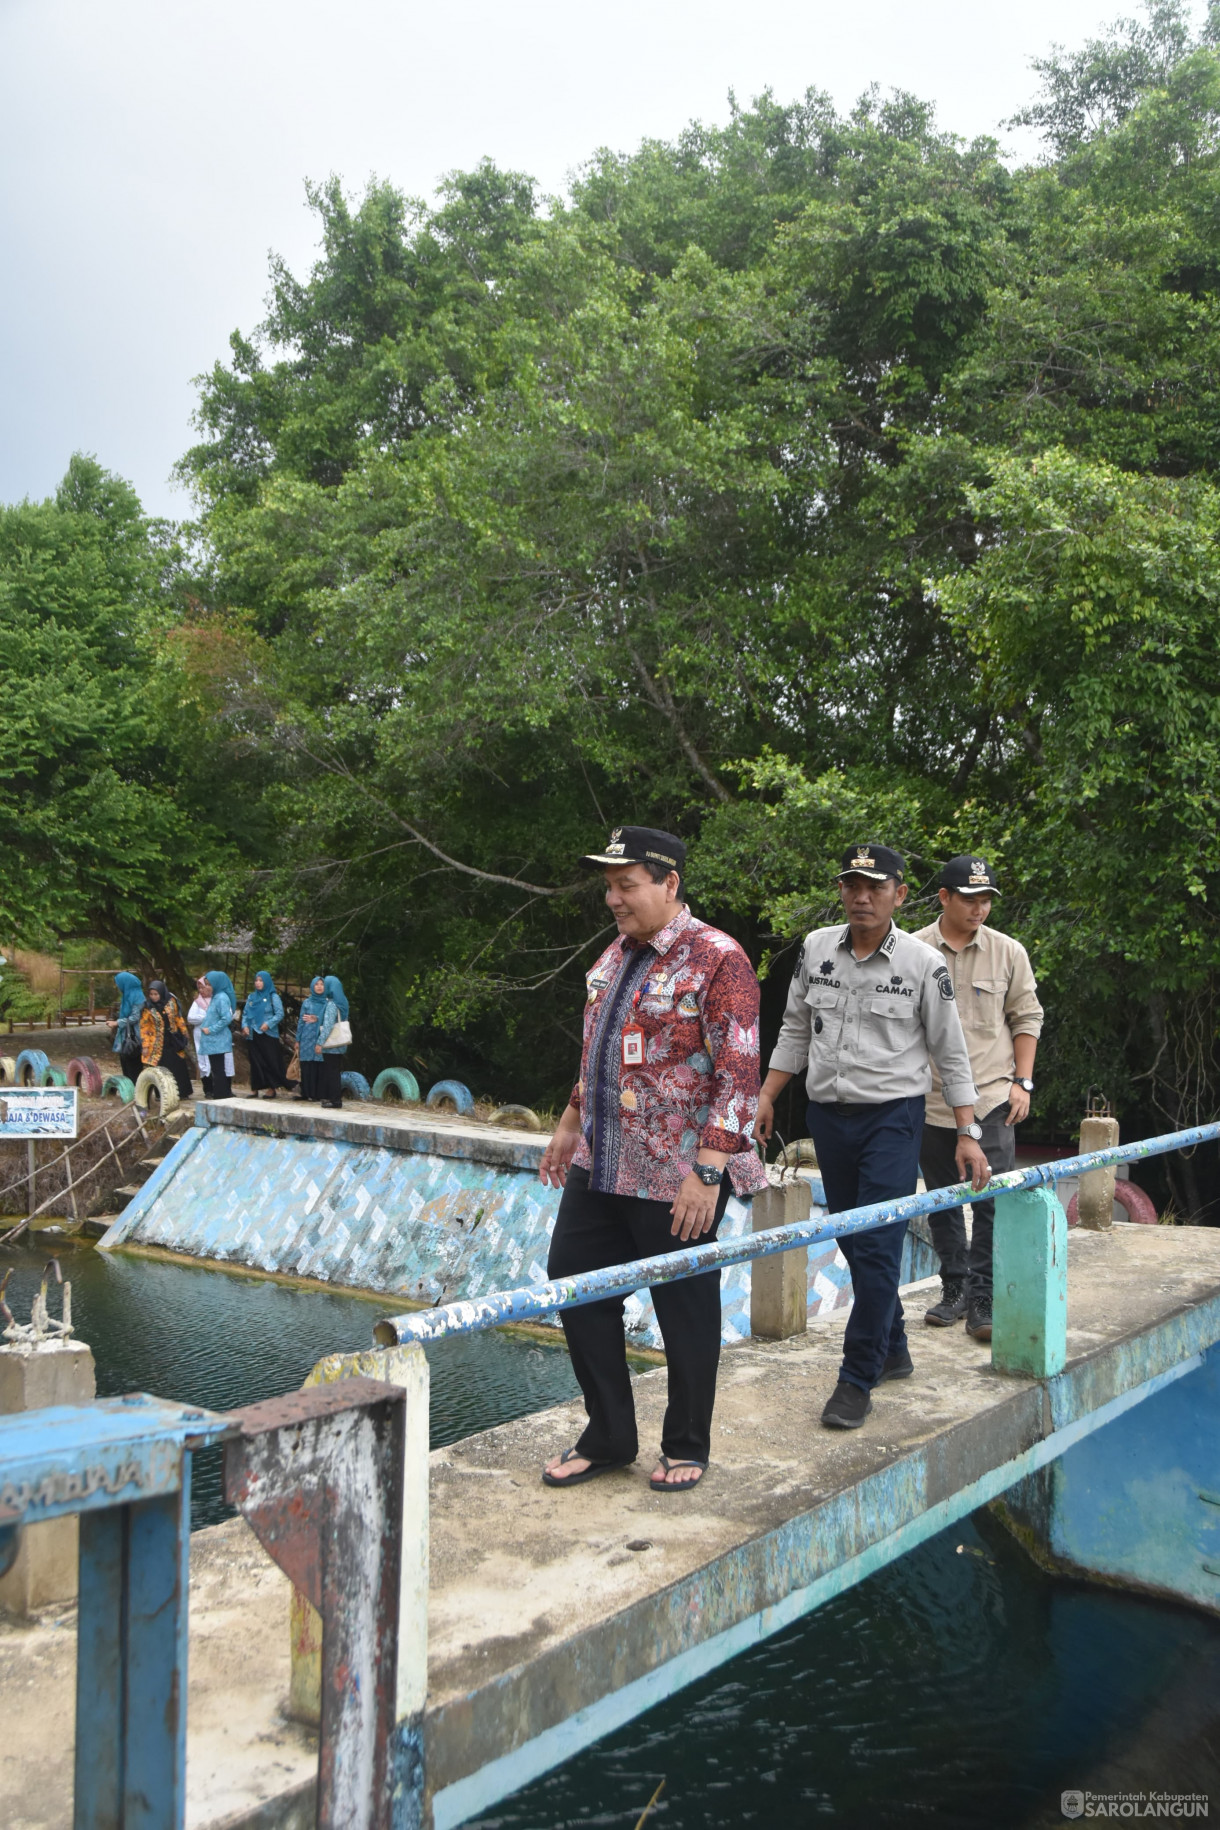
1026, 1085
974, 1131
708, 1174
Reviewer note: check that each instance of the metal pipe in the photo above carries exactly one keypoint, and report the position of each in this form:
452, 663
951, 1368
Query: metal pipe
620, 1280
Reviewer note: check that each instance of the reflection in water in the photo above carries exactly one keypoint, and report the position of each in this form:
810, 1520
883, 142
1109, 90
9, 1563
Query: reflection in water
955, 1689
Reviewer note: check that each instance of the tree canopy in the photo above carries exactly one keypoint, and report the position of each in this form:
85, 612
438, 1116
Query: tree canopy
809, 478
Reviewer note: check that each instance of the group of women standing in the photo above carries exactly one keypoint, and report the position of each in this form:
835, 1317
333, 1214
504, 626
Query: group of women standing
150, 1031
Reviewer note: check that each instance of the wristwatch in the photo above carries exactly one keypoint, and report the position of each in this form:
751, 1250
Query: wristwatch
1026, 1085
974, 1131
708, 1174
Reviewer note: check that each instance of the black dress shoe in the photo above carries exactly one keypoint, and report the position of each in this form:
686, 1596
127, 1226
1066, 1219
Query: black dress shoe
847, 1407
898, 1365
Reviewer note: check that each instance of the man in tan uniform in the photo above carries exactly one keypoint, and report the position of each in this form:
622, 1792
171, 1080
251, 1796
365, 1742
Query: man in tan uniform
997, 1000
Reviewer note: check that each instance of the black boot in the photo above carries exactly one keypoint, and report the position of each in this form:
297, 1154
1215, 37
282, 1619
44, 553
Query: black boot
952, 1304
978, 1316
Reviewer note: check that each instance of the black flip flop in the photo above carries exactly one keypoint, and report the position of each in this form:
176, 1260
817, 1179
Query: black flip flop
677, 1486
586, 1474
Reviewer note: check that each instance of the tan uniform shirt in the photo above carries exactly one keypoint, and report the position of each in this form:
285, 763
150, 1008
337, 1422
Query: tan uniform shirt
997, 999
868, 1030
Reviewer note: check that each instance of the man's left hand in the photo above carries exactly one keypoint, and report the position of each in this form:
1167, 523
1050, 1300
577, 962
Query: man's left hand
694, 1209
1018, 1105
972, 1164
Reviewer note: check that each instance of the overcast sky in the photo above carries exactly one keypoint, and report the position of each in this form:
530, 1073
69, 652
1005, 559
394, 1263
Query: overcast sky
154, 152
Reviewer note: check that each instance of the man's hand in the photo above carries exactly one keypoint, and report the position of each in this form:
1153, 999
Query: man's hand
694, 1208
1018, 1105
972, 1164
557, 1157
764, 1124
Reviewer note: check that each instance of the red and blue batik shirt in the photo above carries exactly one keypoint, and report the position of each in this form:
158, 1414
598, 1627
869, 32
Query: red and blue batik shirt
694, 994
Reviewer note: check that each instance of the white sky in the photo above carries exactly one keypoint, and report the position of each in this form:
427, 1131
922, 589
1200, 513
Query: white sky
152, 153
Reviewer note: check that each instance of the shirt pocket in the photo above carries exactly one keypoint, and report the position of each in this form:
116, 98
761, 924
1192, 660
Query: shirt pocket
982, 1007
893, 1021
826, 1014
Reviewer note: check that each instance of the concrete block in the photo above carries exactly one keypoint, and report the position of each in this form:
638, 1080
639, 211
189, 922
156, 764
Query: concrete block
32, 1376
1095, 1196
779, 1299
1029, 1324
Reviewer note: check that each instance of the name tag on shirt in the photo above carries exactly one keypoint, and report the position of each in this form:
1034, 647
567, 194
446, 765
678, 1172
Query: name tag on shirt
633, 1046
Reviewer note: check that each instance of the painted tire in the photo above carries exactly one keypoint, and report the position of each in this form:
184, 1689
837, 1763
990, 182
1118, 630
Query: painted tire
396, 1083
355, 1084
461, 1096
118, 1083
31, 1064
53, 1077
8, 1071
1130, 1196
160, 1081
83, 1072
517, 1115
801, 1153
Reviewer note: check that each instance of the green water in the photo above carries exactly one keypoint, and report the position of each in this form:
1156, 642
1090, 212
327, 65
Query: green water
959, 1688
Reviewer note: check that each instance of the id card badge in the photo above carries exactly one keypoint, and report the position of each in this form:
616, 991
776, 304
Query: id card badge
633, 1046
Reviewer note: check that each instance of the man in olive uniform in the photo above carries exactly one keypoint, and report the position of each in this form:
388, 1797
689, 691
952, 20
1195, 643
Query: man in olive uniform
869, 1009
1002, 1018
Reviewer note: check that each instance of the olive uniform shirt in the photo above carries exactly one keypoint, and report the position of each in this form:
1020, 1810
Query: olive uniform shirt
997, 997
868, 1030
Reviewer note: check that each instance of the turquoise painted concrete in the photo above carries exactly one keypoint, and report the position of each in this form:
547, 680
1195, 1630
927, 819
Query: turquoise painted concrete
1139, 1503
1030, 1284
411, 1212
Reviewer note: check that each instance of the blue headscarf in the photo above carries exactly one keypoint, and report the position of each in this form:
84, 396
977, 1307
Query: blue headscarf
220, 981
260, 1006
133, 994
334, 990
315, 1004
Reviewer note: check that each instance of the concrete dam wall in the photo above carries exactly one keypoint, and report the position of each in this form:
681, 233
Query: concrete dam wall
413, 1204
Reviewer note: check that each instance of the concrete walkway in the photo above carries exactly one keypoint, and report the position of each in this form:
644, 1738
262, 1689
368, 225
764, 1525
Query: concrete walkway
555, 1617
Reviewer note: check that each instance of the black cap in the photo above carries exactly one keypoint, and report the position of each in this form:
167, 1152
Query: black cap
639, 845
969, 877
875, 861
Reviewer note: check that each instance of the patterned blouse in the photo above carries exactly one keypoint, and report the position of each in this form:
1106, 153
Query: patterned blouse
694, 994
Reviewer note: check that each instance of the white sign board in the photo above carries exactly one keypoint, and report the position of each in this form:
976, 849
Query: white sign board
37, 1112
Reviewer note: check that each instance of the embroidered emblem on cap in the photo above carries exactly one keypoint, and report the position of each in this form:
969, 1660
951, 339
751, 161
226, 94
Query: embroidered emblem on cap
614, 845
863, 860
979, 872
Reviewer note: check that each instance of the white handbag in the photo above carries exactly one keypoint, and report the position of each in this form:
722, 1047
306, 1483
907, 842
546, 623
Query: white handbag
338, 1037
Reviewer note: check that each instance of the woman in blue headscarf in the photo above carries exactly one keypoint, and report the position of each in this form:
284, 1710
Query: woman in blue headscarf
215, 1037
322, 1067
260, 1024
126, 1024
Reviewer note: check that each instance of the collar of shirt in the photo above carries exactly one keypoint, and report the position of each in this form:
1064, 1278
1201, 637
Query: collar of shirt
943, 941
886, 947
665, 937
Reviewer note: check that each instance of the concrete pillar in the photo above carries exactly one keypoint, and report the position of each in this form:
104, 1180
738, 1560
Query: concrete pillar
32, 1375
1095, 1197
779, 1284
1029, 1298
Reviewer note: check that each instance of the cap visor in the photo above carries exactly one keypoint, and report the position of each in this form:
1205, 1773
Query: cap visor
983, 889
876, 876
595, 860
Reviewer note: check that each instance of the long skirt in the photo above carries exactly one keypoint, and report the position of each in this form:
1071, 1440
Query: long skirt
130, 1064
218, 1084
321, 1082
181, 1073
266, 1062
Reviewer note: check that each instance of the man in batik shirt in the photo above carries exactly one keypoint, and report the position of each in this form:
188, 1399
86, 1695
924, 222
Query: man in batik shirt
654, 1141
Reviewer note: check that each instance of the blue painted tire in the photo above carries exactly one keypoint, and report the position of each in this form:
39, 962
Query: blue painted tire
119, 1083
461, 1096
355, 1084
396, 1083
31, 1065
53, 1077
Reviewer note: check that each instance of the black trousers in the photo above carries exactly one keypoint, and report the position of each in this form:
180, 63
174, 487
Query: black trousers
867, 1154
266, 1062
218, 1085
181, 1073
322, 1080
959, 1257
592, 1232
131, 1064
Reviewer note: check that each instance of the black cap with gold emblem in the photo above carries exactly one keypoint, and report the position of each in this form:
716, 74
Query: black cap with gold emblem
969, 877
639, 845
875, 861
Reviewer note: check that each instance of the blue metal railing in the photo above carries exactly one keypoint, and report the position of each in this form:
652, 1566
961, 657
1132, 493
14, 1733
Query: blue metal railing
501, 1306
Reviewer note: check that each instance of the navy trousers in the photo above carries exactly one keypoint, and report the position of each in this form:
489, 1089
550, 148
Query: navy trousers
865, 1154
